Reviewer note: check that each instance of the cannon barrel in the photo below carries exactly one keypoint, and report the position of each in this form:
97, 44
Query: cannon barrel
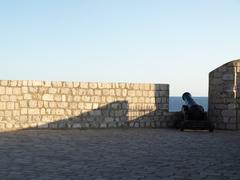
194, 110
187, 98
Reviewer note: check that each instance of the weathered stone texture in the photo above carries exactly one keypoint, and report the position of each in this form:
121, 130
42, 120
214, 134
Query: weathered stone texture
45, 104
224, 101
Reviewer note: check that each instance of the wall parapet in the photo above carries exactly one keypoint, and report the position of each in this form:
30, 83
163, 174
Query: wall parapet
224, 96
57, 104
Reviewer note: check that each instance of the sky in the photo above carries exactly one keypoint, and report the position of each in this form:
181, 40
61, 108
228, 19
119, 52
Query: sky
141, 41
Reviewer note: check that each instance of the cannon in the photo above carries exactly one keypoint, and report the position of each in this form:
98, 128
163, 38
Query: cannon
193, 114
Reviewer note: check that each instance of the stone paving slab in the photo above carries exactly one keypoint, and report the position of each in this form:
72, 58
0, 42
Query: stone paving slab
119, 154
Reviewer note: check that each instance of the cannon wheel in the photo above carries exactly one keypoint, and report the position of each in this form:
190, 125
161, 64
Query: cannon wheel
182, 126
210, 127
185, 117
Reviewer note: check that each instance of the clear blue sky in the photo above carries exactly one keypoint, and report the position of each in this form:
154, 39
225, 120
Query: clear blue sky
157, 41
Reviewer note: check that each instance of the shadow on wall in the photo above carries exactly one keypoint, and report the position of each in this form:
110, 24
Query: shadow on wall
121, 114
114, 114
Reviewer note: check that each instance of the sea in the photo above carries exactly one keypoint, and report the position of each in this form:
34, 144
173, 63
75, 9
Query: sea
175, 103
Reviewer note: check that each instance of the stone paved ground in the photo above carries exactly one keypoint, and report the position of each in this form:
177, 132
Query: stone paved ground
119, 154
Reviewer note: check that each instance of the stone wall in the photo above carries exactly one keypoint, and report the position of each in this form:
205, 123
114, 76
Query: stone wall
224, 97
43, 104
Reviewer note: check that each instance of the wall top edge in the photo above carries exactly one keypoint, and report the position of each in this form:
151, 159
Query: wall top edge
232, 63
59, 81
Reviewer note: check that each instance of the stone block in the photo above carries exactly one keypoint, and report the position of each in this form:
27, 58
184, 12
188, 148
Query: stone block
124, 92
42, 125
23, 103
141, 99
37, 83
232, 106
95, 99
136, 86
97, 92
34, 111
93, 85
4, 83
161, 87
147, 87
4, 98
62, 125
57, 84
76, 112
103, 125
95, 106
23, 118
76, 84
229, 113
9, 125
86, 98
76, 125
118, 92
158, 100
121, 85
17, 91
84, 85
57, 97
77, 98
52, 104
24, 111
112, 125
104, 85
43, 111
135, 99
85, 125
2, 105
10, 105
62, 105
112, 92
131, 93
87, 106
47, 97
73, 105
13, 83
139, 93
16, 113
216, 81
142, 124
228, 77
25, 90
36, 118
52, 90
231, 126
47, 83
81, 106
9, 90
2, 90
33, 103
27, 96
108, 119
110, 99
41, 104
64, 90
68, 84
105, 92
136, 124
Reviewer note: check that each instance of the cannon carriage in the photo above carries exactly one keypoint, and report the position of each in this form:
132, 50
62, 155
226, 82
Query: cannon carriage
194, 116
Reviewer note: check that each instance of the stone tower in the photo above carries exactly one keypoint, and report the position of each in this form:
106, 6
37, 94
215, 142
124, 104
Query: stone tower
224, 96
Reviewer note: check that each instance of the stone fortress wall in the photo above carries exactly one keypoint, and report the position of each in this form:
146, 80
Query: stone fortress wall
224, 96
45, 104
28, 104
